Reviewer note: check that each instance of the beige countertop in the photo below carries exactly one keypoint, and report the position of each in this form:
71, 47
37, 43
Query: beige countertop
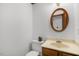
66, 46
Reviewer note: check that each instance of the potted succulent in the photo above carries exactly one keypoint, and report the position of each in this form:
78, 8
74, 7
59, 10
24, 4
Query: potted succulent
40, 38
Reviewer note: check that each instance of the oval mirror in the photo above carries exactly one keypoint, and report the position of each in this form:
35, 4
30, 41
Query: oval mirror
59, 20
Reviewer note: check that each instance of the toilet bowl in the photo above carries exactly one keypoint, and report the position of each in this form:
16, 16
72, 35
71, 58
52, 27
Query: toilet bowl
36, 48
33, 53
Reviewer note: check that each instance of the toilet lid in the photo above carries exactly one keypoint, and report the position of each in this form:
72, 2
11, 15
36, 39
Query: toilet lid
32, 53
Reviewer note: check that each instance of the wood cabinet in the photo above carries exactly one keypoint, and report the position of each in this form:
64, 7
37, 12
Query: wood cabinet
49, 52
53, 52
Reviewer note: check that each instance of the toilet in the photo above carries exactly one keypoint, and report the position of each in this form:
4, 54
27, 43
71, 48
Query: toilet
36, 48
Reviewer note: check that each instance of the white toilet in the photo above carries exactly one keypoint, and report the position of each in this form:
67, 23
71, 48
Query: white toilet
36, 48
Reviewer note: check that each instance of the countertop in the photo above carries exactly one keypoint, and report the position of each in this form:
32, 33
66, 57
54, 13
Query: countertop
69, 46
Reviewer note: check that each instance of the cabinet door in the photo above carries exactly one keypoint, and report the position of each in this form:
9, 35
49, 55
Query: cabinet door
64, 54
49, 52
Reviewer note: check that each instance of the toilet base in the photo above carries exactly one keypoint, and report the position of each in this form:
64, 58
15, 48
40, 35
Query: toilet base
32, 53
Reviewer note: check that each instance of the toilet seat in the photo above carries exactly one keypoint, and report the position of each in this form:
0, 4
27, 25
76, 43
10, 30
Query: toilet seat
32, 53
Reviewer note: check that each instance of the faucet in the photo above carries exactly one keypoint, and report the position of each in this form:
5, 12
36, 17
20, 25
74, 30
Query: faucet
58, 41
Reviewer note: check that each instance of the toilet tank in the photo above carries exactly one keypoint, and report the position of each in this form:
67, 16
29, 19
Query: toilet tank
36, 45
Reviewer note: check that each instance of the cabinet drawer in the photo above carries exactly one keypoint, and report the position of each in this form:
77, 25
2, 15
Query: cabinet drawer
49, 52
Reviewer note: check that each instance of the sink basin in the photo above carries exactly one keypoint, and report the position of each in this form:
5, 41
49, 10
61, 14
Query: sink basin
59, 44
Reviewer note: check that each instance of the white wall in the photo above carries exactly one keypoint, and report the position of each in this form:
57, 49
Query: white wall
15, 28
41, 21
76, 13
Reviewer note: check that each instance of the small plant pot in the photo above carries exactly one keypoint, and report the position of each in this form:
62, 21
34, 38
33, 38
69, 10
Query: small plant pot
39, 38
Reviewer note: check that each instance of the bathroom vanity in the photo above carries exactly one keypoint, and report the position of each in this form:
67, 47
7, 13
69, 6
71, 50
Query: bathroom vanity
53, 52
65, 48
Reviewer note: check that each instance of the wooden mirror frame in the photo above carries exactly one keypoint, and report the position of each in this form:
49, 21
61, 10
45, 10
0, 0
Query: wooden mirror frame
65, 19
